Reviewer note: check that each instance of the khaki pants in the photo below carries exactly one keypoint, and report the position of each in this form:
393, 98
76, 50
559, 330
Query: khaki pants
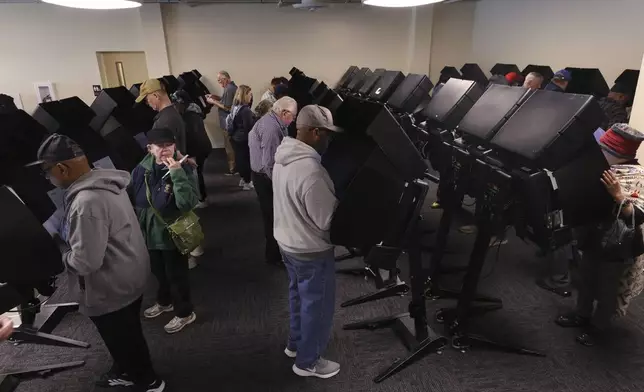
230, 153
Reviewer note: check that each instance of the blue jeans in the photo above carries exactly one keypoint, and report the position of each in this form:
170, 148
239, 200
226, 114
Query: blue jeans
311, 302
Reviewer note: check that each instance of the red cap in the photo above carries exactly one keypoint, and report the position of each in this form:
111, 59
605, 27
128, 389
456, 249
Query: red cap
511, 77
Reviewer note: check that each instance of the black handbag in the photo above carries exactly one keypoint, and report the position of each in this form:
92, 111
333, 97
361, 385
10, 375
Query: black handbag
618, 239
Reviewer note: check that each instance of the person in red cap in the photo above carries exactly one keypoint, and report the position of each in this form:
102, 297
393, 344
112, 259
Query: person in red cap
514, 79
605, 278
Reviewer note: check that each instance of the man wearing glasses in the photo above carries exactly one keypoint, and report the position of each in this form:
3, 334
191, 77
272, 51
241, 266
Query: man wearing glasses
263, 140
224, 104
106, 258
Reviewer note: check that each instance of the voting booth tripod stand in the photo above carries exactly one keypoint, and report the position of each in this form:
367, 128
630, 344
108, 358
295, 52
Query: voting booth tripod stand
411, 327
453, 184
492, 209
37, 323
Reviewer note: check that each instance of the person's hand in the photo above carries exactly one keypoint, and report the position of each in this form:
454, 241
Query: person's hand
6, 328
172, 164
612, 186
211, 99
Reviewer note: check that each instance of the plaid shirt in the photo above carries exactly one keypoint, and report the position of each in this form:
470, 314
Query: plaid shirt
263, 140
614, 111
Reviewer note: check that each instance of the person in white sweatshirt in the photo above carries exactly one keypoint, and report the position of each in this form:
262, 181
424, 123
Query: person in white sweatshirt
304, 204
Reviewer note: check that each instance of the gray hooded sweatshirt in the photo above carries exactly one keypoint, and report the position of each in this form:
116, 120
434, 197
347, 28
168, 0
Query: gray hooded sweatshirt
106, 256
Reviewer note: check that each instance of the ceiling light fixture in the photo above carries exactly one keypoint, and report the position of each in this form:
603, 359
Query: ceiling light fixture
399, 3
96, 4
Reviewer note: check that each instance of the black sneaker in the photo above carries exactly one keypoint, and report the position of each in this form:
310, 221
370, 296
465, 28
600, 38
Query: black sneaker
157, 386
114, 380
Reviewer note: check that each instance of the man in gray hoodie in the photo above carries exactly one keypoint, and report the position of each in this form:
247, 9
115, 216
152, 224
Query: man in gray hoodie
106, 258
304, 206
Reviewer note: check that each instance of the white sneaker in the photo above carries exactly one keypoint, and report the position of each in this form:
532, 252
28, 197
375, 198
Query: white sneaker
322, 369
178, 323
197, 252
157, 310
249, 186
192, 262
201, 204
289, 353
242, 182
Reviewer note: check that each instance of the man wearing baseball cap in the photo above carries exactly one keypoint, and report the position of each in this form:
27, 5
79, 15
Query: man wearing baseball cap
106, 258
559, 81
154, 94
304, 204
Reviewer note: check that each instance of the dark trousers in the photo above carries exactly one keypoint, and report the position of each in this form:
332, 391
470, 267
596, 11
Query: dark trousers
171, 270
242, 159
201, 161
600, 282
121, 331
264, 189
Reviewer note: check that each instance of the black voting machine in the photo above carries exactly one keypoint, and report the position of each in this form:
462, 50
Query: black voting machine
492, 144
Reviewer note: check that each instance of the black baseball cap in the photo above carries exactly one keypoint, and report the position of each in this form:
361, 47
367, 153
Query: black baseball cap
160, 136
57, 148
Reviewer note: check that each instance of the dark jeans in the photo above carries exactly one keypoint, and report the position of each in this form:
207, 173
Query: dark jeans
171, 270
312, 303
242, 159
121, 331
599, 281
201, 161
264, 189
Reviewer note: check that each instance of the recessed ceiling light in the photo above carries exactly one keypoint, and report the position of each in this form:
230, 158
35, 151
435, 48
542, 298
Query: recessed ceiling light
96, 4
400, 3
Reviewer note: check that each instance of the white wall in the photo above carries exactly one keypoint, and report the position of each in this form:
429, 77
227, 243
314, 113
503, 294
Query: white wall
256, 42
604, 34
451, 36
48, 43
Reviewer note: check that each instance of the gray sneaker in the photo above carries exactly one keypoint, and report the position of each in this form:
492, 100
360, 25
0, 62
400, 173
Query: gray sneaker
322, 369
157, 310
178, 323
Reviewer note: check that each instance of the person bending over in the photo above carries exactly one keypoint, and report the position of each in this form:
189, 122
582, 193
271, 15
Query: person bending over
533, 81
269, 95
609, 280
559, 81
615, 104
105, 256
162, 190
154, 94
304, 205
263, 140
238, 124
262, 108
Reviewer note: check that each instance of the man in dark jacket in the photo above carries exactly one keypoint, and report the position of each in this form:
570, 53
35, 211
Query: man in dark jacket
559, 81
154, 94
198, 144
105, 255
172, 192
615, 104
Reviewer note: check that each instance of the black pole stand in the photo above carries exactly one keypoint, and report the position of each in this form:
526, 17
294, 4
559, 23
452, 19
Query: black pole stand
38, 321
491, 208
411, 327
453, 187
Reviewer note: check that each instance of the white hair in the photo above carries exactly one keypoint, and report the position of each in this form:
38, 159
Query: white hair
285, 103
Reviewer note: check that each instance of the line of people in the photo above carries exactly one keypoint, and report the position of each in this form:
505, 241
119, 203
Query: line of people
115, 229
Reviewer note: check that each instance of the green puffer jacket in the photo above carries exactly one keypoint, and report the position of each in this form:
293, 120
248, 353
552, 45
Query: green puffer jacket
173, 196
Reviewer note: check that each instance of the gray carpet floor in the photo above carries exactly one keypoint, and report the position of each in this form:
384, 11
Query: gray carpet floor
242, 318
